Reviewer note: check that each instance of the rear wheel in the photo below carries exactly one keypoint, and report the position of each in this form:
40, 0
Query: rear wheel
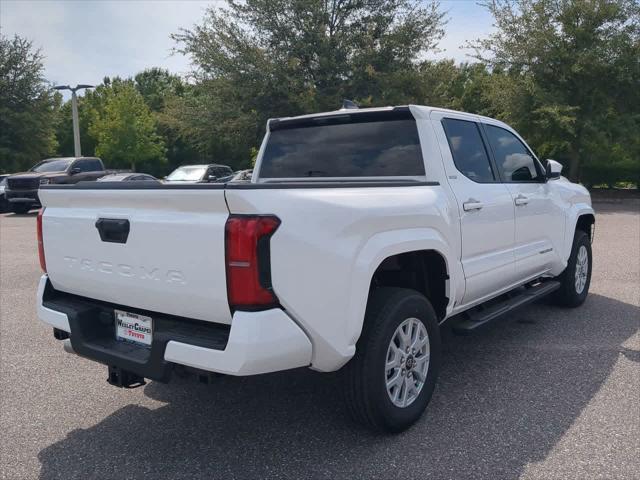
390, 380
576, 278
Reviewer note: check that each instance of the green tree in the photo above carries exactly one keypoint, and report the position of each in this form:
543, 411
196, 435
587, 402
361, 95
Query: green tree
126, 131
27, 106
265, 58
162, 90
91, 104
157, 85
571, 78
158, 89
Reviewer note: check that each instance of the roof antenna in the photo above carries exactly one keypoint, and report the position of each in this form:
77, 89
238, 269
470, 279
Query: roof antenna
349, 105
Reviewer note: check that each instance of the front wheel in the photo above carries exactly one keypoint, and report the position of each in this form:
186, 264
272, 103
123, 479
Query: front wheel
576, 278
20, 208
390, 380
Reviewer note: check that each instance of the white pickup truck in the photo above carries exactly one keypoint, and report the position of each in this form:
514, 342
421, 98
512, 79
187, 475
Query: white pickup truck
360, 233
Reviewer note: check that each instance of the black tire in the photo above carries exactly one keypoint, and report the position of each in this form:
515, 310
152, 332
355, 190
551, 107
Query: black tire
364, 376
20, 209
568, 295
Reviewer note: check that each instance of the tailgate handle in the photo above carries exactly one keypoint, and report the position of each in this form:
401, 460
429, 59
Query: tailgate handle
114, 230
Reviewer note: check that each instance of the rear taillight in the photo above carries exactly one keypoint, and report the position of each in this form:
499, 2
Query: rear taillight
43, 263
247, 244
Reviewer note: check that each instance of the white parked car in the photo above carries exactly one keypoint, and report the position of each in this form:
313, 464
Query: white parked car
359, 234
200, 174
4, 205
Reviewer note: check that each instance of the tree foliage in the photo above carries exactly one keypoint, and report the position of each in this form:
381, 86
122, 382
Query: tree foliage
27, 106
574, 69
160, 90
157, 88
565, 73
265, 58
125, 130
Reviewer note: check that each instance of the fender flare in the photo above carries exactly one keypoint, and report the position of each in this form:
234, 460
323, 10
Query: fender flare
575, 212
382, 246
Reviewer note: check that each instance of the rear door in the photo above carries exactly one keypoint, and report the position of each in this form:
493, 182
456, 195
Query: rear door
485, 206
157, 248
539, 217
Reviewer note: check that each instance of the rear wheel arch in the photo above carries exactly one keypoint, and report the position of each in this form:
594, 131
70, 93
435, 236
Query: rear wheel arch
425, 271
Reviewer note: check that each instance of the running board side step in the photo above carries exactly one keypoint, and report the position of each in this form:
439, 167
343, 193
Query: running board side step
480, 316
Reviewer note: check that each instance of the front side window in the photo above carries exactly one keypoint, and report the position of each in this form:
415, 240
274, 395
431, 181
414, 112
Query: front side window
514, 161
468, 151
380, 144
88, 165
94, 165
81, 165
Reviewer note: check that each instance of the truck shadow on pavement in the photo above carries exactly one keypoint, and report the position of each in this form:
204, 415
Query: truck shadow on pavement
504, 399
21, 215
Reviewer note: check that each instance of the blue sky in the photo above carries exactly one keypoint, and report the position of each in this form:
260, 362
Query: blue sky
85, 40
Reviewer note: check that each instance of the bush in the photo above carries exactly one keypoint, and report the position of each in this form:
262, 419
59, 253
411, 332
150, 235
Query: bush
602, 173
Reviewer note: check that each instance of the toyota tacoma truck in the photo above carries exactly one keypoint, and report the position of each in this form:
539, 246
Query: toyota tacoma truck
21, 190
359, 234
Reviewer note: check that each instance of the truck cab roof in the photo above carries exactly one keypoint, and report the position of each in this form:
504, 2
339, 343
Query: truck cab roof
418, 111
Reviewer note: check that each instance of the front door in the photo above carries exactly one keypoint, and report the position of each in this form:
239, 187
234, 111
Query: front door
485, 207
539, 217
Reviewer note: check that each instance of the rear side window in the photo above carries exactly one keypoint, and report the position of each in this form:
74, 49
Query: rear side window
372, 144
514, 161
468, 151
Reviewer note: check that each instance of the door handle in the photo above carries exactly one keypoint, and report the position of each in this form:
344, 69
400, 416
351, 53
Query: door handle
521, 200
472, 204
113, 230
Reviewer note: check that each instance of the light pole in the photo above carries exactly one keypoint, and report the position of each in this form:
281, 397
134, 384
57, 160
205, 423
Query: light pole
74, 114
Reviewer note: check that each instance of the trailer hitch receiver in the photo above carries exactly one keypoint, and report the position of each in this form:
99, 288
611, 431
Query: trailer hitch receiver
123, 378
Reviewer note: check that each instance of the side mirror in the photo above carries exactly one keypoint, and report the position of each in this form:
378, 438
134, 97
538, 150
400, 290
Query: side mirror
74, 171
553, 169
212, 178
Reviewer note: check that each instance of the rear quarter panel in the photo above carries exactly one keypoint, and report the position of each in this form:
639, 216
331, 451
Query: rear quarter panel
330, 242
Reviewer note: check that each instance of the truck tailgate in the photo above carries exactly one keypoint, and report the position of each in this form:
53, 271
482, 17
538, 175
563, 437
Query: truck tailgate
172, 260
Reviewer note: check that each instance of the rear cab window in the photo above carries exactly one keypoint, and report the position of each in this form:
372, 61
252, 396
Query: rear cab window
349, 145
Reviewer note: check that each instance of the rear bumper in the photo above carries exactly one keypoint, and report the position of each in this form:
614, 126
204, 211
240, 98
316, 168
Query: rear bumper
256, 342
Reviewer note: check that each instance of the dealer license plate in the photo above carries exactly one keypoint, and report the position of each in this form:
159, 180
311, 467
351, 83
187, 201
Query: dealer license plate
133, 327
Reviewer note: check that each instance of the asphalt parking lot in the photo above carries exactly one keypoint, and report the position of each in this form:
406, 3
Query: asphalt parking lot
546, 394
